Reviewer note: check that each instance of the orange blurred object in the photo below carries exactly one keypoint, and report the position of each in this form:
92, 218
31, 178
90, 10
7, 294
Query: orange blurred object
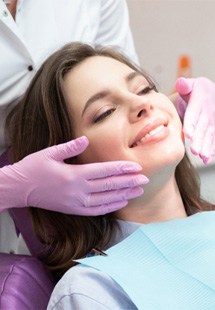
184, 67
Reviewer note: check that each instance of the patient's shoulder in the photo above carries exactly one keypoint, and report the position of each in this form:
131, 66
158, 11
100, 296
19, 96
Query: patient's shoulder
82, 287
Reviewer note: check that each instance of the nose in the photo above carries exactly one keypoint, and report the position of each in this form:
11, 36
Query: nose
139, 108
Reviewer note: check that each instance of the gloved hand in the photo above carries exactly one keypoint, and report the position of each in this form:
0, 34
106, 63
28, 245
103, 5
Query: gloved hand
197, 97
43, 180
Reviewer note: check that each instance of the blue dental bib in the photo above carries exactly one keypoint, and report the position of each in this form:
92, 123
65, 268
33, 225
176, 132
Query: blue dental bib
167, 265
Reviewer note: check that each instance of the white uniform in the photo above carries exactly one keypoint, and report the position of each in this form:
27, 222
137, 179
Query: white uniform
41, 27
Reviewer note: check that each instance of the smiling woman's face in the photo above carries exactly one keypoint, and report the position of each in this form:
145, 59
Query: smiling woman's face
123, 118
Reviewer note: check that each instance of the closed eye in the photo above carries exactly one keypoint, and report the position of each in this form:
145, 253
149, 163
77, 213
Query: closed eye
145, 90
102, 116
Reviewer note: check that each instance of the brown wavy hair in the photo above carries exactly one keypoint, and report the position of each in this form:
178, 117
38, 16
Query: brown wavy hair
41, 119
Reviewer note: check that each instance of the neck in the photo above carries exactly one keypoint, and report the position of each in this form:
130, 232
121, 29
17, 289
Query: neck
163, 204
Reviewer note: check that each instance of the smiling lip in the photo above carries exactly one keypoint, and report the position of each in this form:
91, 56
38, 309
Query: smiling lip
147, 132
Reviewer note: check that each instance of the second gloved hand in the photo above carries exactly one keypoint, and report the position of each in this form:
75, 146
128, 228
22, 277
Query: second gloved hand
43, 180
196, 105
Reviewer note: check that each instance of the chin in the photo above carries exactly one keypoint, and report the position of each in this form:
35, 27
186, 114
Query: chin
161, 162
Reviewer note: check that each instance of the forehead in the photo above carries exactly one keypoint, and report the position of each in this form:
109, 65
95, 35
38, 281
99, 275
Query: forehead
98, 65
97, 71
92, 75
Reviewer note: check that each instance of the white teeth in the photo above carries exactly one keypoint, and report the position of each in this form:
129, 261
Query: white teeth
149, 134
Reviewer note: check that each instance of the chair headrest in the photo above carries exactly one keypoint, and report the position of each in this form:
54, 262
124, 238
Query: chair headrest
24, 283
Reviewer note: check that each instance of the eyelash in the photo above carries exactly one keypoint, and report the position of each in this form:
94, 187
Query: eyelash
146, 90
103, 115
99, 118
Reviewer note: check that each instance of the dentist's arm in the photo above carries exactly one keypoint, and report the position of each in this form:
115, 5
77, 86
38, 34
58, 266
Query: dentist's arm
196, 105
43, 180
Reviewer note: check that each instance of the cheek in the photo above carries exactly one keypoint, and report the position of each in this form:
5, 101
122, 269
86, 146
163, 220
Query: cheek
106, 141
102, 147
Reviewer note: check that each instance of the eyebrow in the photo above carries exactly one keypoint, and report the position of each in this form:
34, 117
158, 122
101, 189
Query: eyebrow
105, 93
132, 75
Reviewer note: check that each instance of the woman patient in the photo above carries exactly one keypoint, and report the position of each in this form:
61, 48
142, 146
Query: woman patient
100, 94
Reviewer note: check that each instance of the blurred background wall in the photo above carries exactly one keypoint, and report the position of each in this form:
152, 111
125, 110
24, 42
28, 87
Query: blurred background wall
176, 38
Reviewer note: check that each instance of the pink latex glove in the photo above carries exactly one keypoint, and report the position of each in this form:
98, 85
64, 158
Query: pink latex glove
43, 180
196, 106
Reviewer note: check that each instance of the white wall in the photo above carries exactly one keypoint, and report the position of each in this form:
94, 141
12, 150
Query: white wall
165, 29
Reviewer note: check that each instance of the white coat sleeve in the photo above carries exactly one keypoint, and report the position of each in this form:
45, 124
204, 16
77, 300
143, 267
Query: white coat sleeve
114, 28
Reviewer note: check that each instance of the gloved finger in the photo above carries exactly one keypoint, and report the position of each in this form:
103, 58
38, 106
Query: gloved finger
108, 197
104, 209
212, 156
198, 137
191, 117
106, 169
117, 182
184, 86
206, 153
213, 150
181, 106
69, 149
